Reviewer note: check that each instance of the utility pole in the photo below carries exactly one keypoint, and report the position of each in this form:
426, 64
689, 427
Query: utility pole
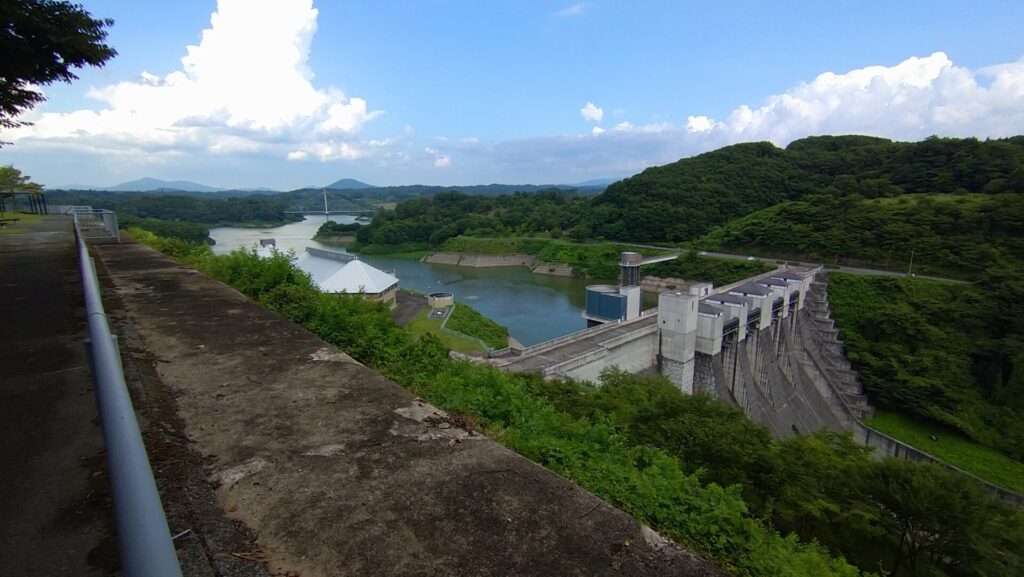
910, 271
327, 213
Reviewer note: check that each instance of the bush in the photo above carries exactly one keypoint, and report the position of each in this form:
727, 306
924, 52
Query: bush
640, 444
468, 321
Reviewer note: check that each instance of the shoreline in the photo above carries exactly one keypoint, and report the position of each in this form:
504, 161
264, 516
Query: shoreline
479, 260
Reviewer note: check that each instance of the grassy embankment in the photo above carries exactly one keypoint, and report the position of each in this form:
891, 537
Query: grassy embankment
469, 321
422, 325
938, 359
958, 236
24, 219
952, 447
466, 320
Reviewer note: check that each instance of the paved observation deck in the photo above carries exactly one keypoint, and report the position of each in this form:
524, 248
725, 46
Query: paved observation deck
55, 506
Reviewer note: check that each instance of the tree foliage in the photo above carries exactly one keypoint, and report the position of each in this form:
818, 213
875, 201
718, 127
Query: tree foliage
688, 198
469, 321
44, 41
432, 221
691, 467
956, 235
12, 180
953, 354
252, 210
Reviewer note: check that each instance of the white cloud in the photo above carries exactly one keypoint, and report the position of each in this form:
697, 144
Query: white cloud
348, 117
575, 10
245, 87
441, 160
591, 112
699, 124
298, 155
911, 100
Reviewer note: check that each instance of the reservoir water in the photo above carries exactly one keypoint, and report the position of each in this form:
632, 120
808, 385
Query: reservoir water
535, 308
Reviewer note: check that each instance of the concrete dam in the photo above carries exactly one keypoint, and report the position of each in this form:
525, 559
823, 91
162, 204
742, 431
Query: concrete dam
744, 343
767, 344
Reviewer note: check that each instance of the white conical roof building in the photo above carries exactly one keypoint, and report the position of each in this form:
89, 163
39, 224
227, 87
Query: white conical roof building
358, 277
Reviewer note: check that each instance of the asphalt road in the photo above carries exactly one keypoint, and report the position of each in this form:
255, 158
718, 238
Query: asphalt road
771, 260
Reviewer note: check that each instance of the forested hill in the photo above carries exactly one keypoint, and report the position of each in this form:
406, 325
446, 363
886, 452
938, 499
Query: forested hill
686, 199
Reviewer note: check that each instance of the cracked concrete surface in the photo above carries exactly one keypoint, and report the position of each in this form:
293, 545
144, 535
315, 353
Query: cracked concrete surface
334, 469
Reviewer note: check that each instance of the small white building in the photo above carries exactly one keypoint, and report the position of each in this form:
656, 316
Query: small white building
335, 272
357, 277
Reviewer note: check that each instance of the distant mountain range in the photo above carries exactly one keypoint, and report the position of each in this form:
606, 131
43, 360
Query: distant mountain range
156, 185
348, 184
150, 185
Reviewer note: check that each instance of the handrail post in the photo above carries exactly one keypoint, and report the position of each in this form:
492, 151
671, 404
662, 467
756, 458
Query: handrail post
144, 539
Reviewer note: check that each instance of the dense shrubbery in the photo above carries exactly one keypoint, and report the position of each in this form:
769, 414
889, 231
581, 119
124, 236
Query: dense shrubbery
688, 198
879, 514
468, 321
188, 231
951, 235
256, 210
640, 444
941, 351
718, 271
331, 228
432, 221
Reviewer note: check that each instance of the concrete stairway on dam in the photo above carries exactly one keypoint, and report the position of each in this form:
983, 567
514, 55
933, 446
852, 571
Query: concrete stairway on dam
828, 350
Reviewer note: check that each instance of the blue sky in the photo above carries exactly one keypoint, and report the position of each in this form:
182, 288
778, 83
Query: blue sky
292, 93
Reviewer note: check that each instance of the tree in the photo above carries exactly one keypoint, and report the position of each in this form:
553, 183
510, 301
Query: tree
13, 182
944, 523
43, 41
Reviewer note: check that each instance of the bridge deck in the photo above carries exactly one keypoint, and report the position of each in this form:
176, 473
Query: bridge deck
586, 341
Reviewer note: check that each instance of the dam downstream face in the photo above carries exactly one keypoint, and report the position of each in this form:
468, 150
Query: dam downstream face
535, 308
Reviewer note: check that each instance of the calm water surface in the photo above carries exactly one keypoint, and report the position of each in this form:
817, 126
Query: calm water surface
535, 308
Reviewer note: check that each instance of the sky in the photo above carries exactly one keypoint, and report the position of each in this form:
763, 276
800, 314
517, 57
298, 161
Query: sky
292, 93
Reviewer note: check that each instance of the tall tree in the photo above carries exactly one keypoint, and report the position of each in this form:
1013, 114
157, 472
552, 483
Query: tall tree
12, 182
44, 41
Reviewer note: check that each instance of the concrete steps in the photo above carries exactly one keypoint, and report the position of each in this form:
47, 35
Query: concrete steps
829, 350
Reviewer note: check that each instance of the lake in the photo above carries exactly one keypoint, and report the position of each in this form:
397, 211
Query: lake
535, 308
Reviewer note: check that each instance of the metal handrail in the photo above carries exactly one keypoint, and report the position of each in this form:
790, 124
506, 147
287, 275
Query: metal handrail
144, 539
95, 223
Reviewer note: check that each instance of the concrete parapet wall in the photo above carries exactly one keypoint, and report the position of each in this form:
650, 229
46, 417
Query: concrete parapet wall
633, 352
581, 334
338, 471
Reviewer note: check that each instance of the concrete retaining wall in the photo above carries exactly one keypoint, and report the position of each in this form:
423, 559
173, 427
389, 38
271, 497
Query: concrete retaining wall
634, 352
480, 260
553, 269
475, 260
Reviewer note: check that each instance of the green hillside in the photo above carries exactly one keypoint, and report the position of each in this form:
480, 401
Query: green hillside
955, 235
688, 198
